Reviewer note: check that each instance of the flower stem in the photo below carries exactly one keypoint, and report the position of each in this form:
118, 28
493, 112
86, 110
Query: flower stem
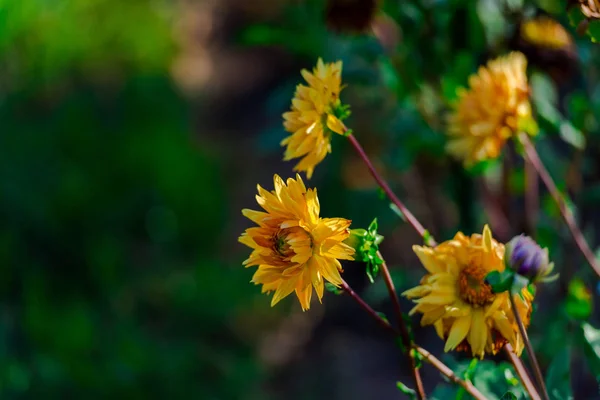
410, 218
536, 367
520, 368
406, 339
533, 157
440, 366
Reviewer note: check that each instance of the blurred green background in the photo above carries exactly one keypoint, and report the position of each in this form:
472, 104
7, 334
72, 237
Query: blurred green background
132, 134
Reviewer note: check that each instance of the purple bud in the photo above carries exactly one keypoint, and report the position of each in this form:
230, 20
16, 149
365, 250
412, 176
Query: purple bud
524, 256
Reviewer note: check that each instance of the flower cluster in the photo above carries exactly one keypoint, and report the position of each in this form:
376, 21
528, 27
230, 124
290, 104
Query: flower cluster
494, 108
455, 298
315, 114
546, 32
294, 248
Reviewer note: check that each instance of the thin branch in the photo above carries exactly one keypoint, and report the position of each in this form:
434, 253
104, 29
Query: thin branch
410, 218
536, 367
440, 366
523, 375
446, 371
533, 157
405, 335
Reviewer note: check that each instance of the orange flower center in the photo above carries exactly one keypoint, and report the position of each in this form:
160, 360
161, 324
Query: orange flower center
285, 239
472, 286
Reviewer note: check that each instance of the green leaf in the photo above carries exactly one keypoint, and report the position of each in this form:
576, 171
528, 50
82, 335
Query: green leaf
500, 281
558, 377
406, 390
578, 303
468, 375
330, 287
389, 75
571, 135
543, 89
591, 347
594, 31
508, 396
383, 316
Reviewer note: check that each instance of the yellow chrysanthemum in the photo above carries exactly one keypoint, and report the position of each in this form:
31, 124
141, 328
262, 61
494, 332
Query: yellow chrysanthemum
491, 111
294, 248
455, 298
589, 8
546, 32
311, 119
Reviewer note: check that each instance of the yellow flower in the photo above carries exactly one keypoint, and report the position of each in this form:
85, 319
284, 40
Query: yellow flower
311, 119
589, 8
455, 298
493, 109
546, 32
294, 248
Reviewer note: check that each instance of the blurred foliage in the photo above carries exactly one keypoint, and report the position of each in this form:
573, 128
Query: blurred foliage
111, 213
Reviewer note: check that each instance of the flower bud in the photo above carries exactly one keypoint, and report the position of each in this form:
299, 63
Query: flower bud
356, 239
524, 256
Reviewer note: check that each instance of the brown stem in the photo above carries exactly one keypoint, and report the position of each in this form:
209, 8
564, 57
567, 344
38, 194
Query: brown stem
406, 340
446, 371
533, 157
537, 372
520, 368
410, 218
440, 366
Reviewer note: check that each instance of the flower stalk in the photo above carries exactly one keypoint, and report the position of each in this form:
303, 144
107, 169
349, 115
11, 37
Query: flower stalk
430, 358
412, 220
523, 375
533, 157
536, 367
404, 334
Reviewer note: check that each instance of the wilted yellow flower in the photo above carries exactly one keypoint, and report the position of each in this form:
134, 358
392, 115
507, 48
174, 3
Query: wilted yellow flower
493, 109
455, 298
589, 8
312, 119
546, 32
294, 248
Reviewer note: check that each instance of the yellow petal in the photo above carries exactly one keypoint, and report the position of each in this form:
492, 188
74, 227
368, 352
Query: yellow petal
458, 333
487, 238
335, 124
304, 296
502, 324
478, 333
286, 287
432, 316
418, 291
427, 257
327, 268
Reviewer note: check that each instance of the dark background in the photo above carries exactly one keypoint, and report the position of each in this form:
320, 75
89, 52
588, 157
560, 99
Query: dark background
133, 133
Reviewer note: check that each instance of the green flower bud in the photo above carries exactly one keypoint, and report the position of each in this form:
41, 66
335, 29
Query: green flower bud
366, 244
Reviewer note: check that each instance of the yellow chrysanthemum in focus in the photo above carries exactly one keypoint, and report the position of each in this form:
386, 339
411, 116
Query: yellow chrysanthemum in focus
546, 32
294, 248
455, 298
493, 109
311, 119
